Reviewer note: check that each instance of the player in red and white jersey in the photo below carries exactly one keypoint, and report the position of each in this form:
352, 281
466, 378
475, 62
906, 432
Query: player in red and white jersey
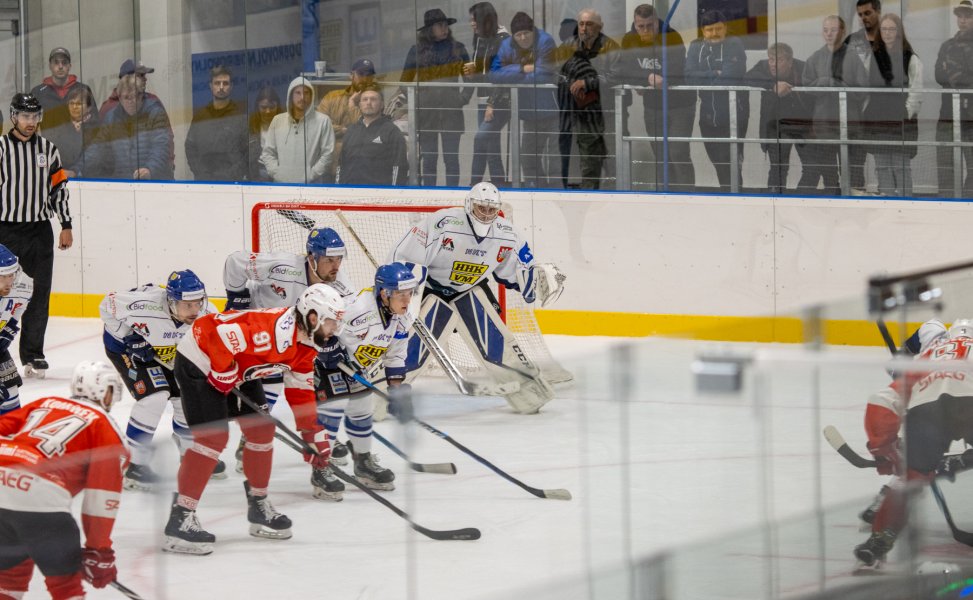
240, 348
50, 451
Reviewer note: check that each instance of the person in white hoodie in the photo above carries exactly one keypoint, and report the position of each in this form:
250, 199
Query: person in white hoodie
300, 142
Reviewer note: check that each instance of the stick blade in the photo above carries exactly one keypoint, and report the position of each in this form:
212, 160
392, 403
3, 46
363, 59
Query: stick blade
465, 534
833, 436
558, 494
440, 468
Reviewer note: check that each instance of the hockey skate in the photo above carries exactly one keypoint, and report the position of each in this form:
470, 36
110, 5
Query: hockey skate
239, 454
872, 552
219, 471
326, 485
370, 473
36, 369
139, 478
868, 515
339, 453
184, 534
265, 521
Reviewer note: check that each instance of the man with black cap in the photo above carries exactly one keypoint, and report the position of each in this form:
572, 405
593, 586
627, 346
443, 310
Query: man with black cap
51, 93
954, 69
342, 105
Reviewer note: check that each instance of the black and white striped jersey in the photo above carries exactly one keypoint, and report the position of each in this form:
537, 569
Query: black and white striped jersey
33, 185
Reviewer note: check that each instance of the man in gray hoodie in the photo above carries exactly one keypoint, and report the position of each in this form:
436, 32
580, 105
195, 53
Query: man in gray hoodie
300, 142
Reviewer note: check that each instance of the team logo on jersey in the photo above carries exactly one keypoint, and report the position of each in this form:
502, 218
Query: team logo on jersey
279, 290
367, 355
447, 244
504, 253
41, 160
466, 273
264, 370
157, 376
420, 234
140, 387
141, 328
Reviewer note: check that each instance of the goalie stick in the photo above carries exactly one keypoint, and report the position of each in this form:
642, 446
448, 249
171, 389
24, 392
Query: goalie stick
554, 494
125, 591
468, 533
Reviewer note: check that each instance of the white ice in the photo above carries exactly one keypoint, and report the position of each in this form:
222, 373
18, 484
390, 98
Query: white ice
666, 469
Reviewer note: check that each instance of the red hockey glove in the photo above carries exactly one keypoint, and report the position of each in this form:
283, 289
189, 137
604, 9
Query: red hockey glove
319, 441
225, 381
98, 565
888, 457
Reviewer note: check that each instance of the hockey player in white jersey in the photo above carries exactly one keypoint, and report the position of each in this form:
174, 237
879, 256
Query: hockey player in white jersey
375, 333
142, 328
16, 289
463, 248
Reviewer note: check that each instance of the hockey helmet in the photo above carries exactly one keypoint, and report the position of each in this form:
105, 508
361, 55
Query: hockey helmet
185, 285
961, 328
91, 381
325, 241
931, 332
482, 207
9, 265
324, 301
394, 276
25, 103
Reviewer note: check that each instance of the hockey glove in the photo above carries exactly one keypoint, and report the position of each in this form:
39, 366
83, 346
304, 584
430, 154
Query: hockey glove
224, 381
888, 458
319, 441
238, 300
400, 402
99, 566
8, 333
138, 349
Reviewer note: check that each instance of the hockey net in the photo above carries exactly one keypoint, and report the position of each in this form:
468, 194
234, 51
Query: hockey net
283, 226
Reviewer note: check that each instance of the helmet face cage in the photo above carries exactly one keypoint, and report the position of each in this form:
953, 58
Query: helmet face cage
325, 241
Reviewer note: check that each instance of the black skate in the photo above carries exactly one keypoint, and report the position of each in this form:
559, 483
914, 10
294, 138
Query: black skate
873, 551
868, 515
264, 519
370, 473
36, 369
219, 471
139, 478
239, 455
339, 453
326, 485
184, 534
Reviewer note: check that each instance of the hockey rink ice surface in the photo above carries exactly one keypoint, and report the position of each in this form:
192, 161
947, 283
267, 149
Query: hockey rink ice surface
695, 481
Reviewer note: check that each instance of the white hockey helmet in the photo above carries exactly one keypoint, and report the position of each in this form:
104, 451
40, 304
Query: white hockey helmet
961, 328
91, 381
931, 332
325, 302
482, 207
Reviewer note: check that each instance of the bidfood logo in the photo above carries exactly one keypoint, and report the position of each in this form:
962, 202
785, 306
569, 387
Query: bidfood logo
466, 273
144, 305
448, 221
359, 321
285, 270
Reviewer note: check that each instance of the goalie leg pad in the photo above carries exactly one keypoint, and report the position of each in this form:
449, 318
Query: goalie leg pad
440, 319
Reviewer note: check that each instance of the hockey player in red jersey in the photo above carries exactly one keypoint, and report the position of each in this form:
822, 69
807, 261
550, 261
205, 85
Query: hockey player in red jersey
51, 450
239, 348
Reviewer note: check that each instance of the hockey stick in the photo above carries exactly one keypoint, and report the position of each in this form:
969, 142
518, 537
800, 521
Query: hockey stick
963, 537
555, 494
837, 441
124, 590
884, 330
442, 468
468, 533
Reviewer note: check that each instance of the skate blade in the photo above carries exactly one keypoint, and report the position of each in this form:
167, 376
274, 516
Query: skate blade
326, 495
262, 531
340, 461
136, 486
178, 546
239, 466
374, 485
32, 373
222, 475
864, 569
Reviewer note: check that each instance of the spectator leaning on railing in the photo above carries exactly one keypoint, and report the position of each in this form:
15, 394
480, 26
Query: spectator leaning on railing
862, 44
374, 150
954, 69
493, 110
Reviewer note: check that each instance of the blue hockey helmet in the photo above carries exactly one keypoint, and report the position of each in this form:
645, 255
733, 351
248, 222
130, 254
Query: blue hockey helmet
394, 276
185, 285
9, 265
325, 241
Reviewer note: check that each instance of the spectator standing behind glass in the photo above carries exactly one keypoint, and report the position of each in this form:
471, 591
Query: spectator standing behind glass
217, 143
584, 90
954, 70
438, 58
300, 142
832, 65
567, 31
136, 68
374, 150
718, 60
642, 65
341, 106
528, 57
783, 111
74, 137
135, 138
266, 106
892, 116
862, 44
493, 112
53, 91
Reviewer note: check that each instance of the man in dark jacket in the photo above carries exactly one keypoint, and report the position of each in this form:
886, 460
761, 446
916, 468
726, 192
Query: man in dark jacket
217, 143
954, 69
53, 91
783, 111
373, 152
667, 113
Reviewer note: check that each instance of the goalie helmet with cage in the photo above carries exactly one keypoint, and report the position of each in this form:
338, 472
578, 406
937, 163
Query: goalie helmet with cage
482, 207
91, 381
961, 328
9, 264
325, 302
185, 287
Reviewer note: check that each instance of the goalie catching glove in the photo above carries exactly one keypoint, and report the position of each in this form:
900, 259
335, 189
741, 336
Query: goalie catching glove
543, 282
319, 441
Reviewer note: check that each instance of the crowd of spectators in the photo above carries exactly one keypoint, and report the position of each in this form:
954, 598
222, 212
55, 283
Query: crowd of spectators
565, 107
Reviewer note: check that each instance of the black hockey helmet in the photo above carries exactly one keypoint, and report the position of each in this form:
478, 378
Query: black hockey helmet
26, 103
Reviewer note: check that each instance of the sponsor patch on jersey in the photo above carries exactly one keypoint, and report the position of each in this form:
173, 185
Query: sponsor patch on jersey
42, 160
261, 371
284, 331
449, 221
420, 234
139, 387
279, 290
232, 337
141, 328
504, 253
166, 354
144, 305
526, 256
447, 244
157, 376
338, 383
467, 273
287, 270
475, 252
367, 355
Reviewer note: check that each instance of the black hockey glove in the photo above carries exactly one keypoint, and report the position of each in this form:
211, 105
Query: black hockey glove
138, 349
7, 334
238, 300
400, 402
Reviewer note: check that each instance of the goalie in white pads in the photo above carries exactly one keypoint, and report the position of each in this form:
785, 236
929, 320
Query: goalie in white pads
463, 248
142, 328
375, 333
16, 289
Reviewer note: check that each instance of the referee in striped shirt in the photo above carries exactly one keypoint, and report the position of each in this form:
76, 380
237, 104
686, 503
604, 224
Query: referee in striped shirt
33, 188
